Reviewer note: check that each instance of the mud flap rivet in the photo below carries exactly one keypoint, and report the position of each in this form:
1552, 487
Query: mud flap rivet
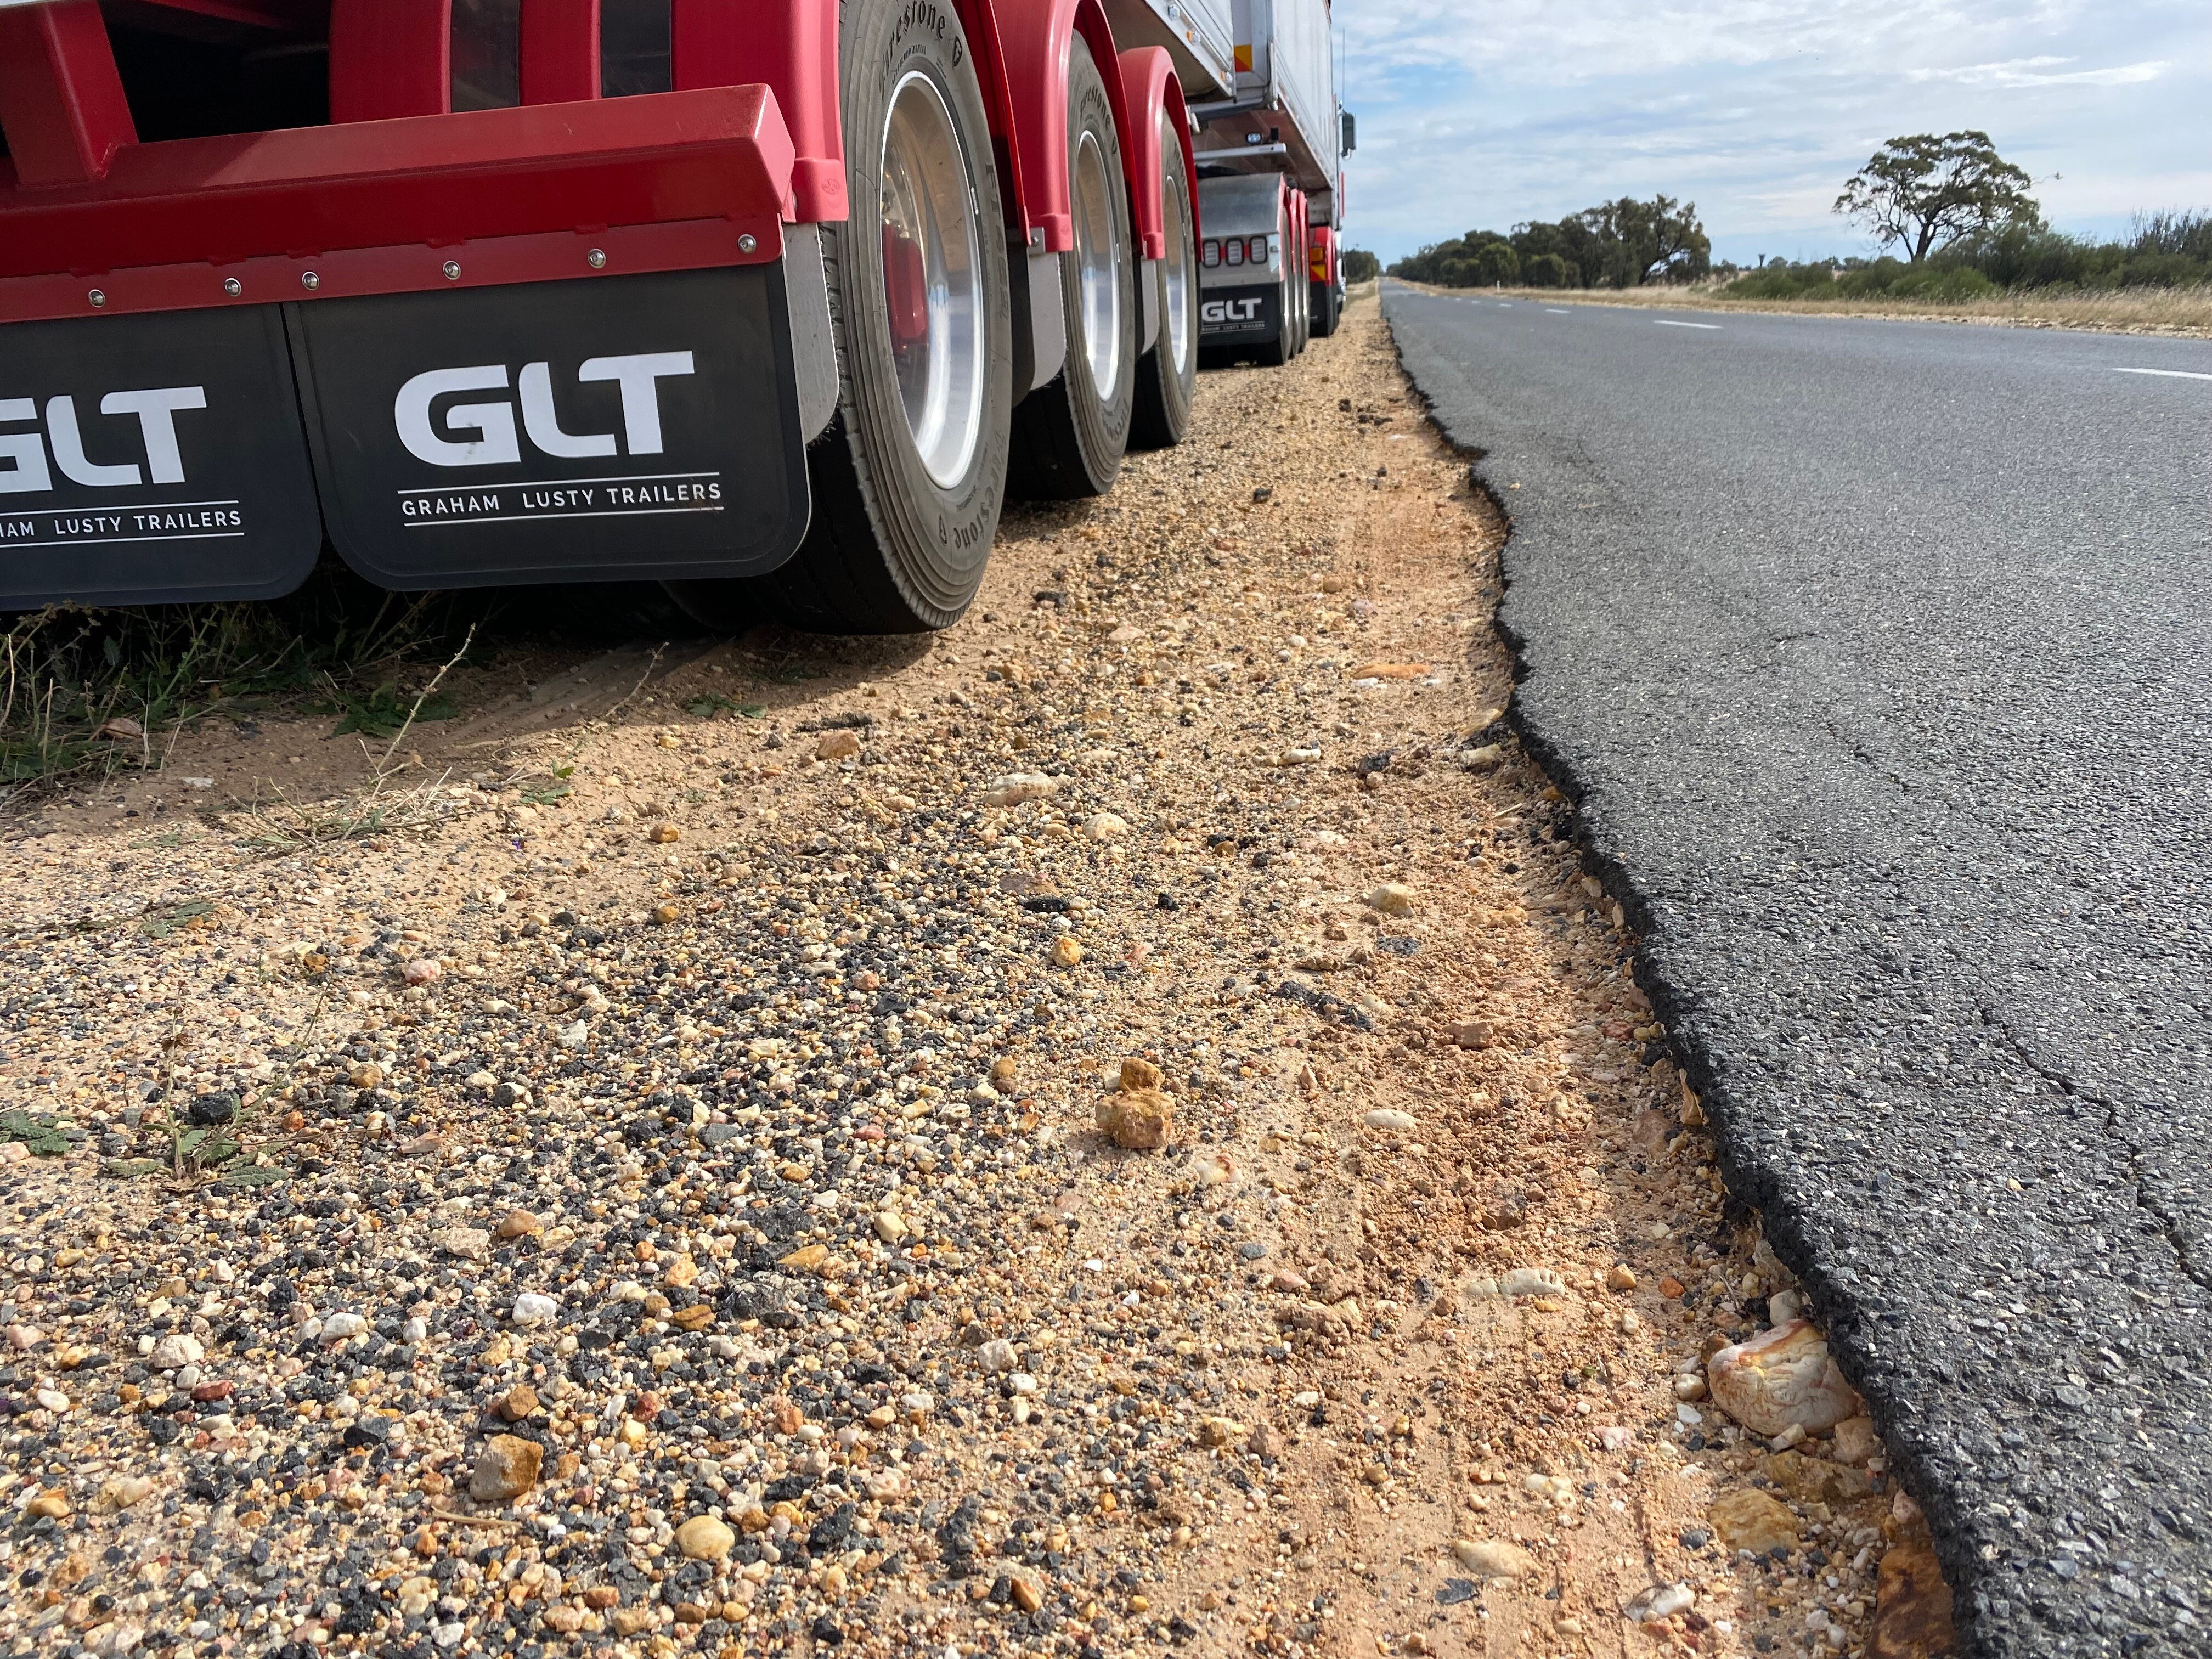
746, 244
309, 280
597, 258
452, 270
232, 287
98, 298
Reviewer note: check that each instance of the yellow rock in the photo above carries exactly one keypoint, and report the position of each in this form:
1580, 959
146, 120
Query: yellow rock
805, 1258
366, 1075
1753, 1520
703, 1538
518, 1402
837, 745
1140, 1074
505, 1469
122, 1491
1493, 1557
1392, 898
1816, 1478
1140, 1120
1065, 952
1912, 1605
667, 832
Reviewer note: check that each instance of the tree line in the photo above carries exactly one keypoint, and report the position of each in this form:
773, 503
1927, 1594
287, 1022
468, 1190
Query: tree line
1623, 244
1952, 218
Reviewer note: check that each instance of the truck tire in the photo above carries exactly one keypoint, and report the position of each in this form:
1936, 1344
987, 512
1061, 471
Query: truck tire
910, 476
1168, 373
1278, 351
1069, 434
1324, 309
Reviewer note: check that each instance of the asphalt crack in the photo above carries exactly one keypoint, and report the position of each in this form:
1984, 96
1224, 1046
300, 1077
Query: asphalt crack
2169, 1226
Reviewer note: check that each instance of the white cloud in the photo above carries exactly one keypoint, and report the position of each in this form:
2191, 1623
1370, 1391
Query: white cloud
2027, 72
1542, 42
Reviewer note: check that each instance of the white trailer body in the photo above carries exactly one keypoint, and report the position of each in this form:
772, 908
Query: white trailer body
1282, 112
1201, 35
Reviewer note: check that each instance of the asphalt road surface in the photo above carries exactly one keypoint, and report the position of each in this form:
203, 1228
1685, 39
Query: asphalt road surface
1880, 655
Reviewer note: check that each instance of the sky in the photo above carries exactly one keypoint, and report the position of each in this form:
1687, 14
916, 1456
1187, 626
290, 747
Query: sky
1487, 112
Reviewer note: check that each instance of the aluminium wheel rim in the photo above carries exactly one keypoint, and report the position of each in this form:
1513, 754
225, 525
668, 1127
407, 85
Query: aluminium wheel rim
1098, 267
932, 271
1176, 261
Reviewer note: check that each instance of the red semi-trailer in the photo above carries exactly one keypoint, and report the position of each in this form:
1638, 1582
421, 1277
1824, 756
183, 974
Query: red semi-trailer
758, 298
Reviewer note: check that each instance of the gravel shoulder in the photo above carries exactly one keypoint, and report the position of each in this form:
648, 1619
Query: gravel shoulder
662, 1194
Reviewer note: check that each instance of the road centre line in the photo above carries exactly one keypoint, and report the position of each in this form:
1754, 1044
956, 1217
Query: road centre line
2167, 373
1667, 322
1557, 311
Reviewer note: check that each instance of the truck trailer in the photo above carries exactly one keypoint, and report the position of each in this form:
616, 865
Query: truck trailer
773, 301
1277, 123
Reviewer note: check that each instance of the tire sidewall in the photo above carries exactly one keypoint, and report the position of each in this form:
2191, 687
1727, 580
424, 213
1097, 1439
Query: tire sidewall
1178, 383
1175, 197
1089, 110
937, 538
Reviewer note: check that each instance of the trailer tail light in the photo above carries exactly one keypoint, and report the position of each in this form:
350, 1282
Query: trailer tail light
1317, 262
1259, 250
1234, 249
1210, 253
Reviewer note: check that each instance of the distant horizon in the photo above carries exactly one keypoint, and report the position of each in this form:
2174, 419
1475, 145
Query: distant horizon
1485, 113
1849, 244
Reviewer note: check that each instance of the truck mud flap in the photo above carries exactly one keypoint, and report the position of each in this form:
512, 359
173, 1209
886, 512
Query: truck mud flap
1239, 316
150, 459
616, 429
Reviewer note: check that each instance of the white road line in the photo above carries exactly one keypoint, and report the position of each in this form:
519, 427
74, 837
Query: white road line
1554, 311
1664, 322
2165, 374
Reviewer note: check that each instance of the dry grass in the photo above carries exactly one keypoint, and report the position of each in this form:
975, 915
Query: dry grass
2179, 313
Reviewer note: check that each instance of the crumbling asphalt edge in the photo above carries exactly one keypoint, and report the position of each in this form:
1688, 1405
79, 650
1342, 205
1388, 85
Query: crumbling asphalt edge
1752, 1188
